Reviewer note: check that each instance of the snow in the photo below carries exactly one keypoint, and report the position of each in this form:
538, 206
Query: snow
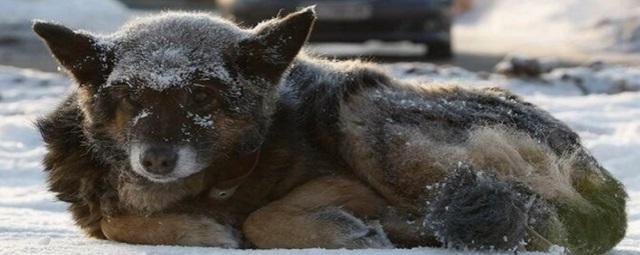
202, 121
33, 222
143, 114
93, 15
602, 103
560, 81
170, 48
21, 47
561, 28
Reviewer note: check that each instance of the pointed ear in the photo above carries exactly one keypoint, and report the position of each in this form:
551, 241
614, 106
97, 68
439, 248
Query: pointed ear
77, 52
275, 43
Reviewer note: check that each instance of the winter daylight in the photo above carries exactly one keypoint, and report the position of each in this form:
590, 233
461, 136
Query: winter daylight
344, 127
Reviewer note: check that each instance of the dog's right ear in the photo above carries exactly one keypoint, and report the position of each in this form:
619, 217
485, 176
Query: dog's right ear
275, 43
78, 52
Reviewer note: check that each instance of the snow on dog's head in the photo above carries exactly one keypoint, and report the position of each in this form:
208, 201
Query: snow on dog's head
170, 50
172, 94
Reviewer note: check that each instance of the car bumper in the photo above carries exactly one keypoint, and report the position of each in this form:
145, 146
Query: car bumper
387, 22
414, 31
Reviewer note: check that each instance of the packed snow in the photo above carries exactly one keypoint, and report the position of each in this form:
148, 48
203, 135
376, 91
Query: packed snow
32, 221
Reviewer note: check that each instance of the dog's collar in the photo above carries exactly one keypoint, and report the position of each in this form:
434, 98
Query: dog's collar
225, 189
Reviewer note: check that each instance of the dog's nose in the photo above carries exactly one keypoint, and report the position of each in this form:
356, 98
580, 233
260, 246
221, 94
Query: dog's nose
159, 160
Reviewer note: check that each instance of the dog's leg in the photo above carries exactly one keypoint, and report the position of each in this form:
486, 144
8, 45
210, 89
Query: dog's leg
330, 212
170, 229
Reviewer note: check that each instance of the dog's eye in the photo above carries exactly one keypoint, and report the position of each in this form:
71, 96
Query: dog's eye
206, 94
127, 99
201, 98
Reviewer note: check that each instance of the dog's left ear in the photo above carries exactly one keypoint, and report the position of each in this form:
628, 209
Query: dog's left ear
275, 43
78, 52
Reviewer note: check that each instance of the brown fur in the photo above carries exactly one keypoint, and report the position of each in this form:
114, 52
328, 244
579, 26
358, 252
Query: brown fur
170, 229
296, 221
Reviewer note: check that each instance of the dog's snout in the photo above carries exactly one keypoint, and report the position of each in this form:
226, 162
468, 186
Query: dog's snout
159, 160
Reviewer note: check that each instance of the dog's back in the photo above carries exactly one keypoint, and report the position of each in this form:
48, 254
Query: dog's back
484, 168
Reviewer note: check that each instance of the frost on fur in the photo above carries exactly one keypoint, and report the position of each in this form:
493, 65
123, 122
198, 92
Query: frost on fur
478, 211
154, 50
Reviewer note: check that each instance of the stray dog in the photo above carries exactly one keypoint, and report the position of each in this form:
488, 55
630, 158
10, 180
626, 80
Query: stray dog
187, 129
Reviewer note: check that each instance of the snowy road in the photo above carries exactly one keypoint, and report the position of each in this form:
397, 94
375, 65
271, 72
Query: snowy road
33, 222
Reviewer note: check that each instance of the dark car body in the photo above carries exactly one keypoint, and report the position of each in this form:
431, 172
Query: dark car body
419, 21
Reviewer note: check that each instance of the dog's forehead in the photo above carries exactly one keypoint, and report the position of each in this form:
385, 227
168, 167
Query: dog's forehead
170, 50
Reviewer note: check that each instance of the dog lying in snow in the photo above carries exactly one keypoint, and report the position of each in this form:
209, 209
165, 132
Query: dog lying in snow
186, 129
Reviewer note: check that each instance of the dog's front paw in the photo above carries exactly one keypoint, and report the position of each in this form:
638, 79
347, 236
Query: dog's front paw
373, 238
348, 231
208, 232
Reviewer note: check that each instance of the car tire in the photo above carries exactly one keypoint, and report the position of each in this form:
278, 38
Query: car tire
439, 50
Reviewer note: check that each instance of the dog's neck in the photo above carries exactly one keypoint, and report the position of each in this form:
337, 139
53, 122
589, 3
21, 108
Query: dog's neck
279, 148
224, 189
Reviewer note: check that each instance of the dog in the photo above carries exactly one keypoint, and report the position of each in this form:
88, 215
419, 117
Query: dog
186, 129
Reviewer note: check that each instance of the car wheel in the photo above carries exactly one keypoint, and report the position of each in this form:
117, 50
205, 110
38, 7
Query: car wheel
439, 50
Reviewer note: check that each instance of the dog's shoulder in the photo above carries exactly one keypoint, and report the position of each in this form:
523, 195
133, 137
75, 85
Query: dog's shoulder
314, 89
73, 175
58, 126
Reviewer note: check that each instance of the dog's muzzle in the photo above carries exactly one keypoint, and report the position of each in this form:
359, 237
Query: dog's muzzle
163, 163
159, 160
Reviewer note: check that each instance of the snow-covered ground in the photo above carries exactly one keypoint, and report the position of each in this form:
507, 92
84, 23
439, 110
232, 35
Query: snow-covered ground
91, 15
602, 104
576, 30
33, 222
20, 46
573, 31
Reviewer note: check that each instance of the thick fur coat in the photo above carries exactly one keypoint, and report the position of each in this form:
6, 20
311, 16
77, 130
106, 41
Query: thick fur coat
275, 149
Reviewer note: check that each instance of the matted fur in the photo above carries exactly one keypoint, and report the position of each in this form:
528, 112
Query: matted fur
407, 140
425, 136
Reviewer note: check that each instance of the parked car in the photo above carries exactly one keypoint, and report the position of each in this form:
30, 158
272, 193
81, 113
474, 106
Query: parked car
420, 21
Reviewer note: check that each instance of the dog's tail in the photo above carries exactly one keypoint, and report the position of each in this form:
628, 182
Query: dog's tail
479, 212
601, 226
475, 210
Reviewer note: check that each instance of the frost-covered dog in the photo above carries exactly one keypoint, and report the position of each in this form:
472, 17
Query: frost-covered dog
187, 129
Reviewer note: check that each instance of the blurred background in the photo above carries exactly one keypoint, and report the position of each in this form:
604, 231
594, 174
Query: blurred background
577, 59
473, 34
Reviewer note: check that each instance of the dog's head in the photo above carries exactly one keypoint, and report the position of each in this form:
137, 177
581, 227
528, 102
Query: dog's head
173, 94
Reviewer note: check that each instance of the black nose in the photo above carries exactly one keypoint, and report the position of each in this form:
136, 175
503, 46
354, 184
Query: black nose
159, 160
